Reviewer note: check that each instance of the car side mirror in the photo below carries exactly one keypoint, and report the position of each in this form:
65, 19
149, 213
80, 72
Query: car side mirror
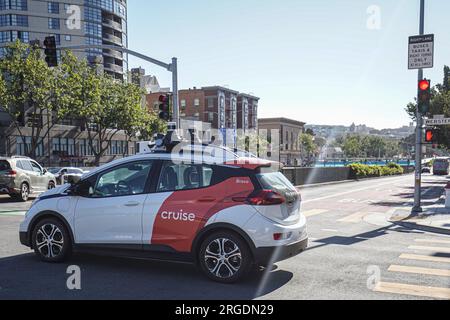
82, 189
45, 171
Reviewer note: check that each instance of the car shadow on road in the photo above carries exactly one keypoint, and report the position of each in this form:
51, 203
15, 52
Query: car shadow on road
362, 237
105, 278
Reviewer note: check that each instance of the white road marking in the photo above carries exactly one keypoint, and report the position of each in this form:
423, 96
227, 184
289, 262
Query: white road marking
424, 258
354, 218
350, 192
433, 241
413, 290
417, 270
314, 212
433, 249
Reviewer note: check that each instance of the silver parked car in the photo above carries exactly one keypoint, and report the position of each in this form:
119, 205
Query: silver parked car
62, 174
21, 177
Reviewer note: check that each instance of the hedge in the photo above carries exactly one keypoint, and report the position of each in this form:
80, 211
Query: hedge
366, 171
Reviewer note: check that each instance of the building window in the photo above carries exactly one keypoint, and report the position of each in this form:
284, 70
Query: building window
211, 103
210, 116
196, 103
183, 104
68, 37
13, 5
53, 23
53, 7
13, 20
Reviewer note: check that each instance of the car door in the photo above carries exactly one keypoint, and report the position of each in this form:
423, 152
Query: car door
112, 213
40, 183
181, 205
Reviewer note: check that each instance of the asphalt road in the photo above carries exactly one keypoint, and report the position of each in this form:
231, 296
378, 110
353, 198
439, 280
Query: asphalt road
354, 254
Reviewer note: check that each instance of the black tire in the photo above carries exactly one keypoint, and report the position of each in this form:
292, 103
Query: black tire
221, 267
60, 246
51, 185
24, 194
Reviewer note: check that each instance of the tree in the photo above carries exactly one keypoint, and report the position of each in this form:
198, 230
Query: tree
352, 146
307, 143
33, 91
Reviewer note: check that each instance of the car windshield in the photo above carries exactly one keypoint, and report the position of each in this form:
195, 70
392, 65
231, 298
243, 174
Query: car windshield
4, 165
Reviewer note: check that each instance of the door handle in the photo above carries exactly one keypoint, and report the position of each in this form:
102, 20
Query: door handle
132, 204
207, 199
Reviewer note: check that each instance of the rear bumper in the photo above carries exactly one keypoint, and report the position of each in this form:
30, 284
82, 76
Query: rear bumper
4, 189
268, 255
24, 239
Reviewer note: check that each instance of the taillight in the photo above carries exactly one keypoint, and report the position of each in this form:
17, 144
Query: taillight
12, 173
266, 198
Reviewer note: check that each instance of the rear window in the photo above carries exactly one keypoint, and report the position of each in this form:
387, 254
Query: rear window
4, 165
275, 181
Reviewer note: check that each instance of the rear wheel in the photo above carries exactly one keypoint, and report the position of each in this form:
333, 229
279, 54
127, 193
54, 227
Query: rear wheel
51, 241
224, 257
24, 192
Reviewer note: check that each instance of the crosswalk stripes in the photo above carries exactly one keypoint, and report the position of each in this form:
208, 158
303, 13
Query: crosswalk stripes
314, 212
354, 218
432, 254
413, 290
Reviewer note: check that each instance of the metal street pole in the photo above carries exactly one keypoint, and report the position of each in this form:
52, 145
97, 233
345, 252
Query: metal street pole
175, 104
172, 67
418, 181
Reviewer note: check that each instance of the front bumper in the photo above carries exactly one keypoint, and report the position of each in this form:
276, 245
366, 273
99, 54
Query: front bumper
269, 255
24, 239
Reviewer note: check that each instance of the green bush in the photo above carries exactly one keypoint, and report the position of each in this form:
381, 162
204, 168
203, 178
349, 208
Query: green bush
366, 171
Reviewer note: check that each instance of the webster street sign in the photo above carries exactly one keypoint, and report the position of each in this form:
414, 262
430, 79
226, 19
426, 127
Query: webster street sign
438, 122
421, 52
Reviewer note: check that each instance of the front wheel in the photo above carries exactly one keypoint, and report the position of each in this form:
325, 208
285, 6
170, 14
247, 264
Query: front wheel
24, 192
224, 257
51, 241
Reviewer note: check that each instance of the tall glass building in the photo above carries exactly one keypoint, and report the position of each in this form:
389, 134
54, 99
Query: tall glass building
72, 22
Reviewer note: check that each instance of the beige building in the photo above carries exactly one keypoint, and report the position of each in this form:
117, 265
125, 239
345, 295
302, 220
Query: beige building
289, 132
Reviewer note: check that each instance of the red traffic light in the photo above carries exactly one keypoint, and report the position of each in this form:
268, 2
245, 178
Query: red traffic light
429, 135
424, 85
163, 98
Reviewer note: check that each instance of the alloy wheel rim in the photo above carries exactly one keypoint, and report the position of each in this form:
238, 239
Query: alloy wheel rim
49, 240
223, 258
24, 191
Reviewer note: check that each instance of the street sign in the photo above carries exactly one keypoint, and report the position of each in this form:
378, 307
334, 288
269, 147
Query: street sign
438, 122
421, 52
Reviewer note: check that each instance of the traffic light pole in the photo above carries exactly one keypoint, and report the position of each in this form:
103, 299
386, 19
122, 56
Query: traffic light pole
171, 67
418, 176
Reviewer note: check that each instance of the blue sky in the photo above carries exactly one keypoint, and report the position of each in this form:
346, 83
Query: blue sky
311, 60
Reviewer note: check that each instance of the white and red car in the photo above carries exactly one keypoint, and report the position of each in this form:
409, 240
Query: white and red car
224, 214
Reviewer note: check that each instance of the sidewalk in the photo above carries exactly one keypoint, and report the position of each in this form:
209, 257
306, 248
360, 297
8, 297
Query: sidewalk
434, 218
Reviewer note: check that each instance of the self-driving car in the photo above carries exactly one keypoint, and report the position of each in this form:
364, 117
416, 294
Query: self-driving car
211, 207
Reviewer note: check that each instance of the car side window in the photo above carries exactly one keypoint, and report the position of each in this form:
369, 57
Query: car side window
180, 176
36, 168
26, 165
125, 180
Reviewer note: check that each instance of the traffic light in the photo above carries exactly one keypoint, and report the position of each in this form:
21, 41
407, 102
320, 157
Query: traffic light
430, 136
164, 107
424, 96
50, 51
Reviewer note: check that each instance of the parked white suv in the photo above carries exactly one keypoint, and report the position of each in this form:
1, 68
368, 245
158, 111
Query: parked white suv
225, 215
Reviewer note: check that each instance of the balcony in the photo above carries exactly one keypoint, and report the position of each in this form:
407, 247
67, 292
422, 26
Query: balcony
113, 54
112, 38
112, 24
113, 68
